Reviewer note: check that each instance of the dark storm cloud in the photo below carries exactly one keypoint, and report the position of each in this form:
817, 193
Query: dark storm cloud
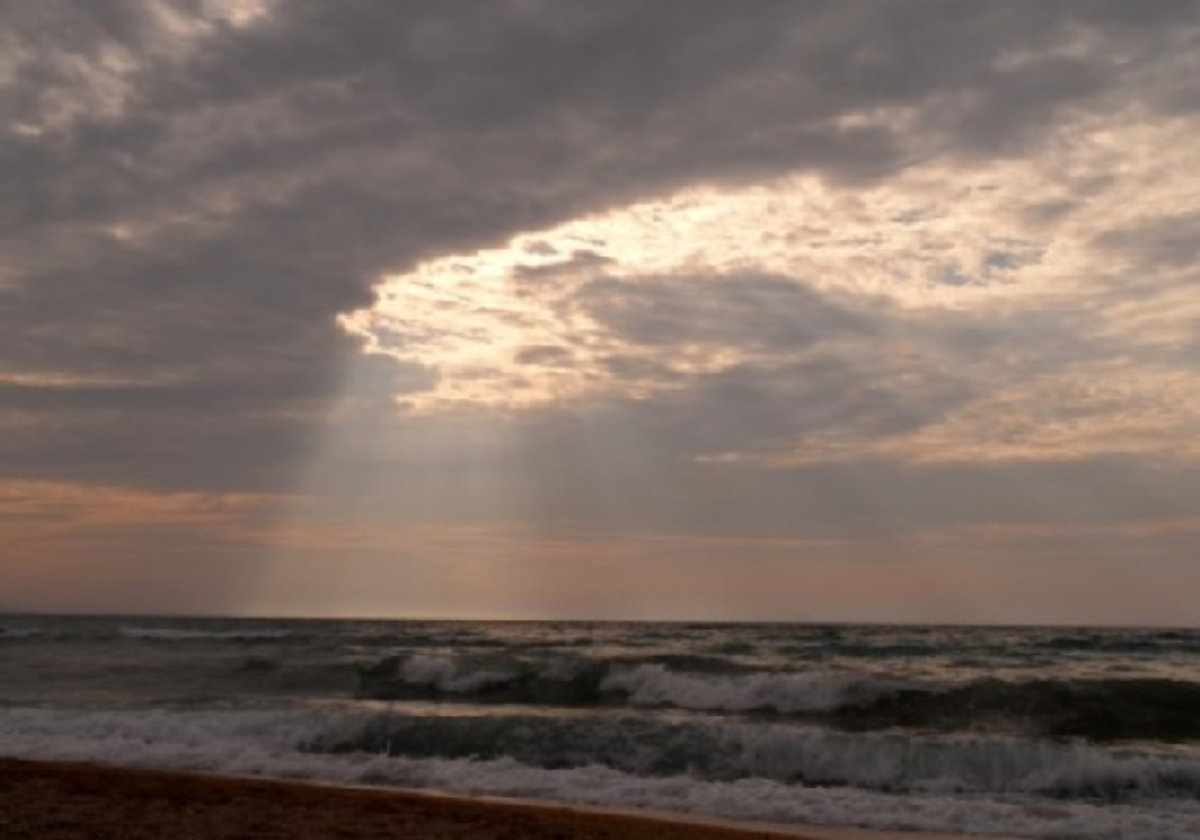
190, 209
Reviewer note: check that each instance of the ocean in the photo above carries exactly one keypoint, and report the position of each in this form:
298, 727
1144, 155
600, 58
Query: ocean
1024, 732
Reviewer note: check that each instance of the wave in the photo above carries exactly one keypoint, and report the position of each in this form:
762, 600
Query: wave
772, 773
598, 683
782, 693
1094, 709
638, 745
1103, 710
1113, 642
174, 634
729, 751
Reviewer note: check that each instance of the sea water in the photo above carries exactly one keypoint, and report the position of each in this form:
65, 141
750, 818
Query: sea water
1038, 732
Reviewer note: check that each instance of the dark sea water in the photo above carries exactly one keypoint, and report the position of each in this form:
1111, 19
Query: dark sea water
1046, 732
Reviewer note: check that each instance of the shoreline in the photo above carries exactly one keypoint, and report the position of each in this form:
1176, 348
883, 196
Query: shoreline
85, 801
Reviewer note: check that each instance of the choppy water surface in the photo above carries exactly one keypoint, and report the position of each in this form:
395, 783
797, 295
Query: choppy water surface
1040, 732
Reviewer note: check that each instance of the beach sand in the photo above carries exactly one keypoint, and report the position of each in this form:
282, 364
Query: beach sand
60, 801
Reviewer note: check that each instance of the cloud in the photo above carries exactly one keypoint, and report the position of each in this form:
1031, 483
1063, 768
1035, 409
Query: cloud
766, 314
1164, 242
548, 355
817, 232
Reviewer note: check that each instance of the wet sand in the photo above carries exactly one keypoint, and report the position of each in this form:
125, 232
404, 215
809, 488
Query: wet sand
61, 801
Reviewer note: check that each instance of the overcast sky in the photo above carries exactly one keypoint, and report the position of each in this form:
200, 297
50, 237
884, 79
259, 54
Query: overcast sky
808, 310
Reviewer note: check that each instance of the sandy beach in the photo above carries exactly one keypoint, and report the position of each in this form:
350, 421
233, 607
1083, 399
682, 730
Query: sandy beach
66, 801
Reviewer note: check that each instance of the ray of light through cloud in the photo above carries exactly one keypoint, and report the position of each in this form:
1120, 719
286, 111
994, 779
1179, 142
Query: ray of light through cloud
859, 310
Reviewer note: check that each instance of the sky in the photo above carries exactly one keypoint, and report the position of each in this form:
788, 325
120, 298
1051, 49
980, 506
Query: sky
817, 310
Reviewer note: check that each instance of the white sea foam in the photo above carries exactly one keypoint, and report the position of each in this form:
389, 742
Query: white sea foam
787, 693
443, 674
270, 743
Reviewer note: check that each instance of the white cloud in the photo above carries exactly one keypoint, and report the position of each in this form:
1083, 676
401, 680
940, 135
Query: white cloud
944, 265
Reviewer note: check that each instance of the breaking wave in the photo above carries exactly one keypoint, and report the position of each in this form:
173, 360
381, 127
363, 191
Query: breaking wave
728, 751
584, 682
744, 771
1097, 710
